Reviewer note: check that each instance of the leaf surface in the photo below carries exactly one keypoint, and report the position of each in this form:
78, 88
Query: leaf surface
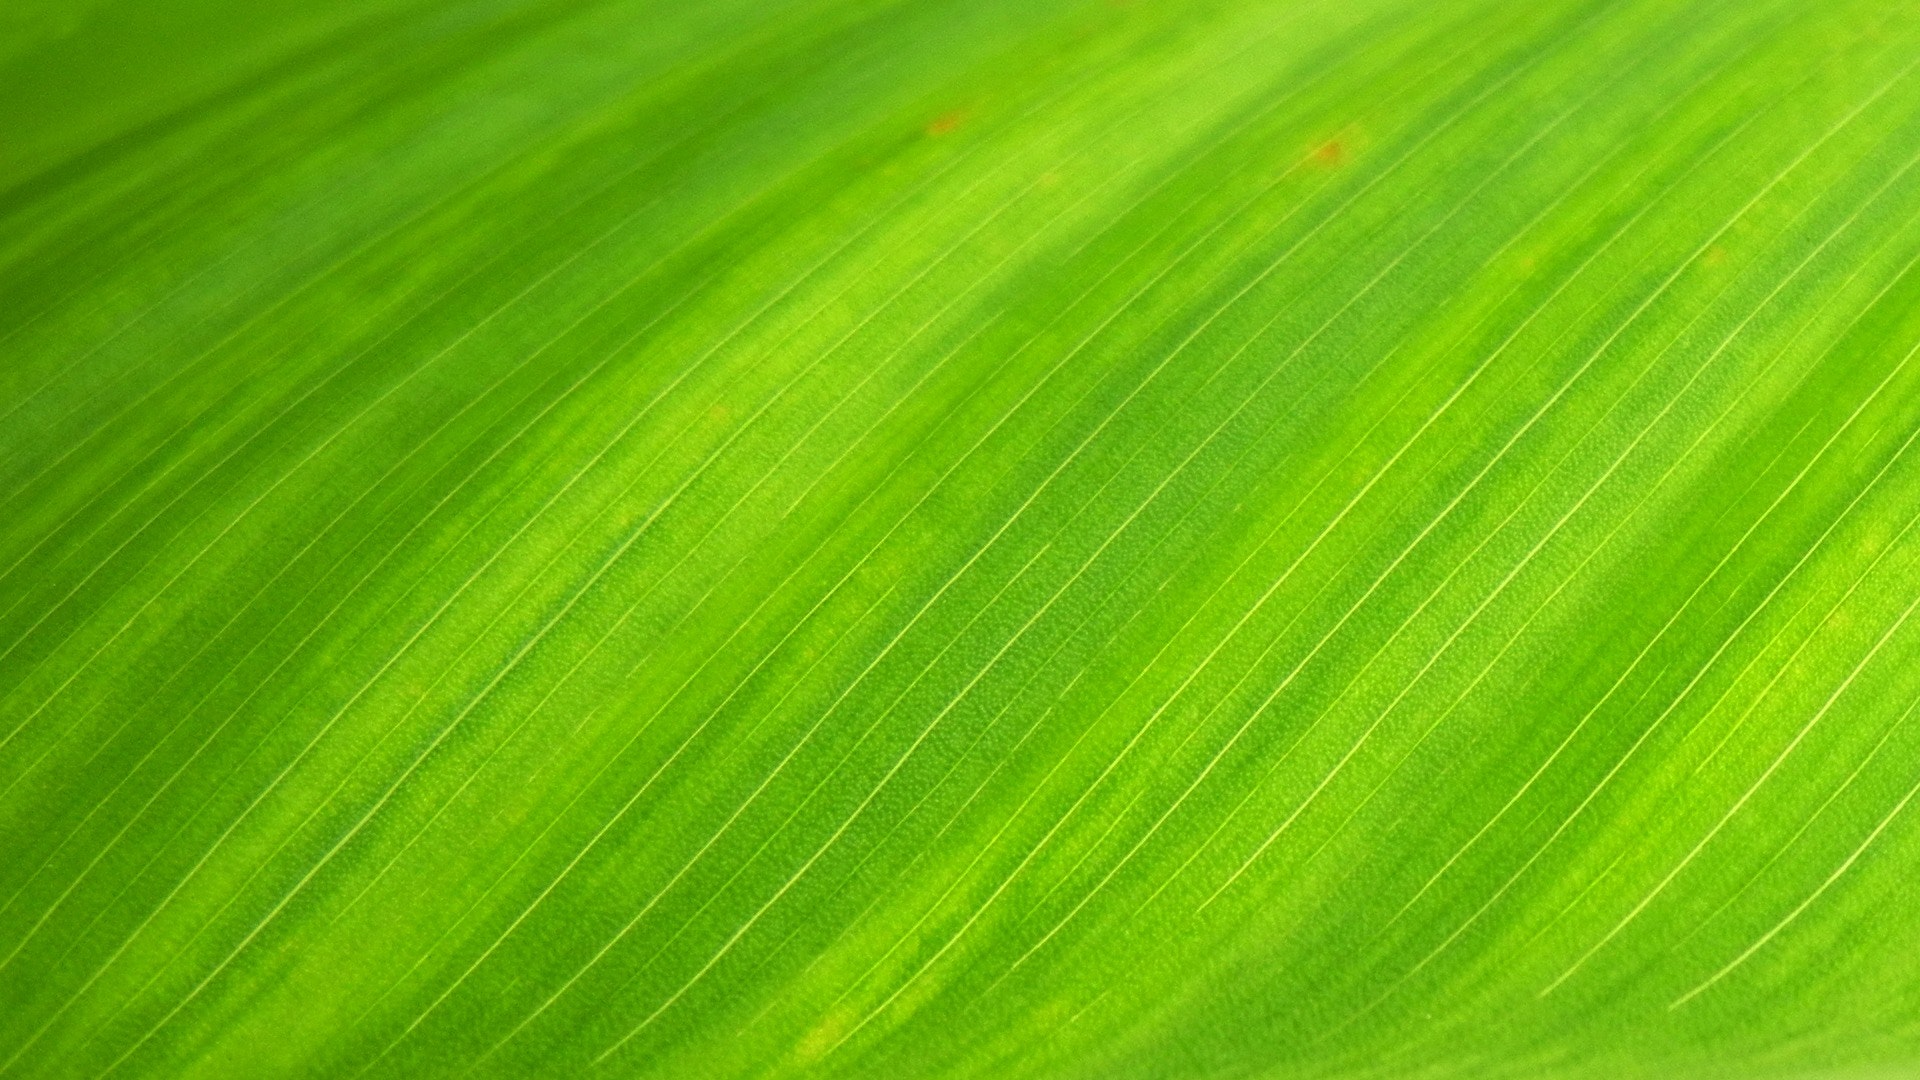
959, 538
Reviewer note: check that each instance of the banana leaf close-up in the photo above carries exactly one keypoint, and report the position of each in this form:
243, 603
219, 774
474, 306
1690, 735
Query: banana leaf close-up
899, 539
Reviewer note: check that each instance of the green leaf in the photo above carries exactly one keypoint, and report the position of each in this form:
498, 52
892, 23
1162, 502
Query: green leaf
959, 538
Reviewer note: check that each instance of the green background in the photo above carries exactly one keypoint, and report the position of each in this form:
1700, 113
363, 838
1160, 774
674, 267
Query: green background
959, 538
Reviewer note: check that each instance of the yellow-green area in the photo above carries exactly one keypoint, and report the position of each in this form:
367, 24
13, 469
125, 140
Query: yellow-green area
897, 539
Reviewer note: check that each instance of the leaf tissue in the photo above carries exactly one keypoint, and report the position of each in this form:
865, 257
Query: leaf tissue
897, 539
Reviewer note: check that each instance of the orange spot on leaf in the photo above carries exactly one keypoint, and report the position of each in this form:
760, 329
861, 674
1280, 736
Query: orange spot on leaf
946, 122
1330, 152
